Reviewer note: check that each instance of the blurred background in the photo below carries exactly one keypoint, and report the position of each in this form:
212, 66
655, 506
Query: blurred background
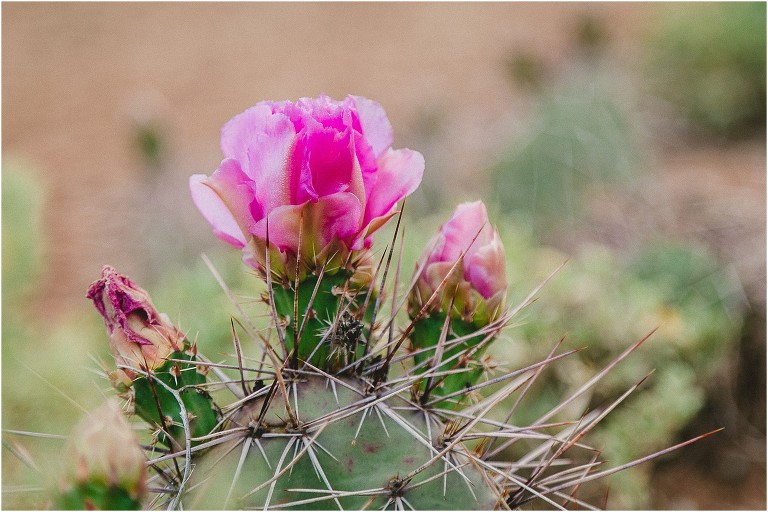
628, 138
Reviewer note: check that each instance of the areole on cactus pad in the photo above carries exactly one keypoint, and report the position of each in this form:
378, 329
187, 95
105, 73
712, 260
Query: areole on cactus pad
344, 409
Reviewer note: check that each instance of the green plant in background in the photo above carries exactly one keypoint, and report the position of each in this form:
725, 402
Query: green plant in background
23, 201
710, 63
603, 300
37, 391
579, 138
23, 248
180, 287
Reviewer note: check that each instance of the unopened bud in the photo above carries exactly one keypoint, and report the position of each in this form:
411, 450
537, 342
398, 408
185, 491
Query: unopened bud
104, 452
140, 337
478, 284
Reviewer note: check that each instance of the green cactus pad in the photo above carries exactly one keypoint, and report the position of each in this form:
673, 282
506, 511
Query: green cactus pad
151, 398
426, 333
352, 448
325, 306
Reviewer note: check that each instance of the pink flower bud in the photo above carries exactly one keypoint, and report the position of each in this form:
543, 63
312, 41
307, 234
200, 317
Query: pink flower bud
479, 281
139, 336
321, 167
104, 449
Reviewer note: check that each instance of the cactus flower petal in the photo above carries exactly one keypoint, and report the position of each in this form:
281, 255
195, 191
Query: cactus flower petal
374, 124
486, 268
227, 200
400, 172
215, 211
329, 159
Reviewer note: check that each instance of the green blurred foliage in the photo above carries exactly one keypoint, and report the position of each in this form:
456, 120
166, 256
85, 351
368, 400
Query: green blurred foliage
526, 70
709, 61
23, 248
46, 381
196, 303
579, 138
591, 34
151, 144
605, 302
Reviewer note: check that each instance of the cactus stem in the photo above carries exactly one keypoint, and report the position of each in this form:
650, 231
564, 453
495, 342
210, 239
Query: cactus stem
280, 471
272, 307
436, 360
187, 432
311, 302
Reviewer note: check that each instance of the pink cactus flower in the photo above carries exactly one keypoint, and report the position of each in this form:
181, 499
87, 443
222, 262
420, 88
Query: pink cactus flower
139, 336
478, 284
321, 167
